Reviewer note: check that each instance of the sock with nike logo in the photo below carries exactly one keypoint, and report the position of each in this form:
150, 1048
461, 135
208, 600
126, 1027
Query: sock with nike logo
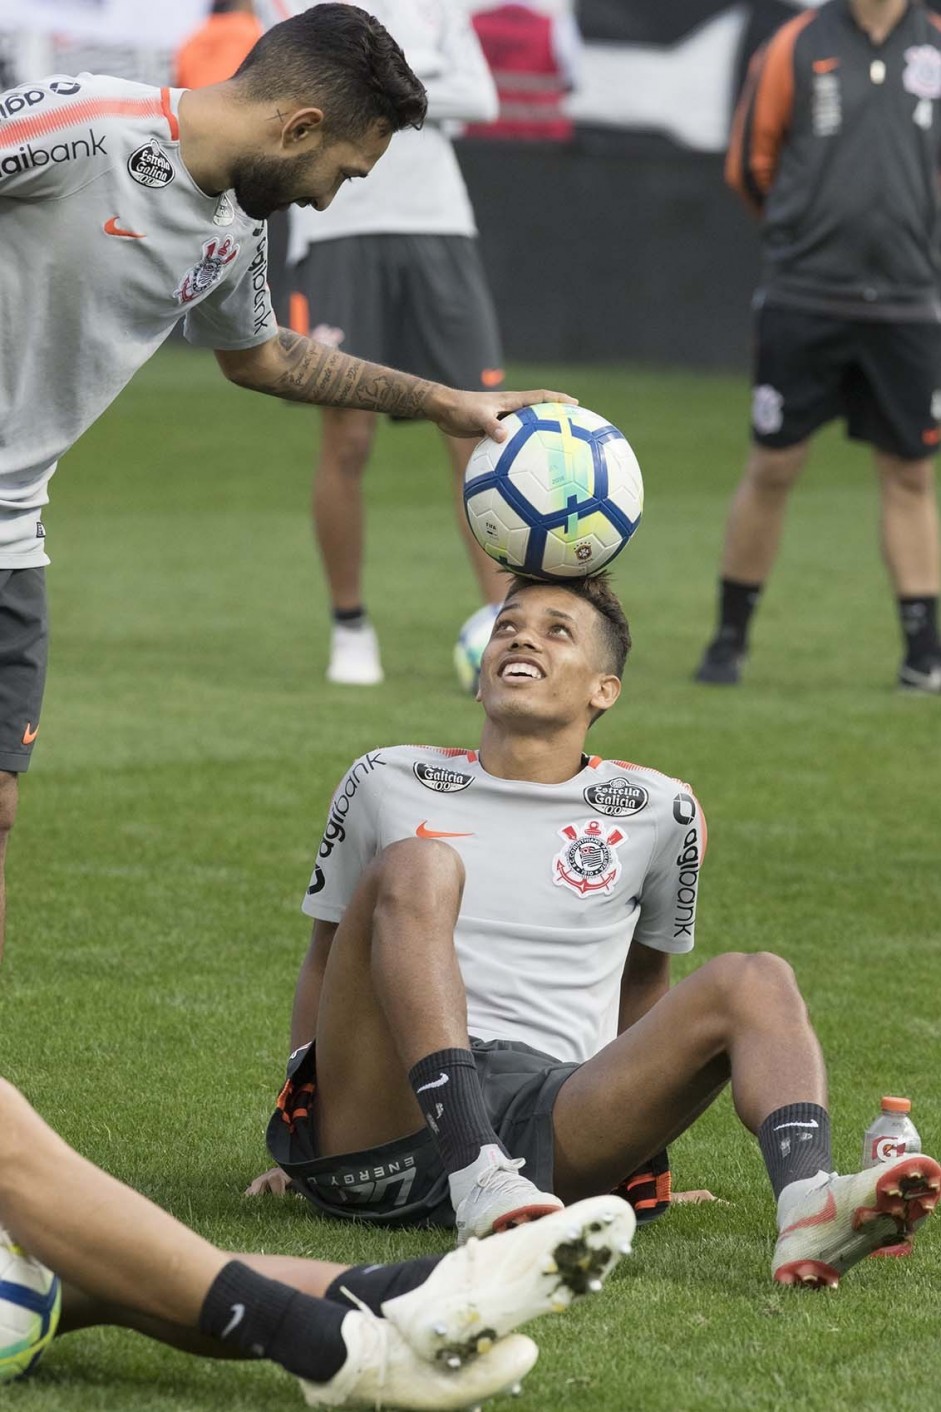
795, 1143
266, 1319
448, 1091
373, 1285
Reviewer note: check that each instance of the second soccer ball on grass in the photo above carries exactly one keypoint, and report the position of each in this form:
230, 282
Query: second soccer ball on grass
559, 498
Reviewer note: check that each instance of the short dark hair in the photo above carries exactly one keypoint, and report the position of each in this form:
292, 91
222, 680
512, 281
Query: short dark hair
341, 59
597, 590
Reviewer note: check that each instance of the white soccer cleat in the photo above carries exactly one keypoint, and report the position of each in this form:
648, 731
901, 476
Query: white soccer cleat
827, 1230
485, 1289
498, 1197
354, 656
381, 1371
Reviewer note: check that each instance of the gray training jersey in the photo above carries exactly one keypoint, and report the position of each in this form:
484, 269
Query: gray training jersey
560, 879
106, 243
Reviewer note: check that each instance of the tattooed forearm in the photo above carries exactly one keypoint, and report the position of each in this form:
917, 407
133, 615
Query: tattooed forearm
304, 371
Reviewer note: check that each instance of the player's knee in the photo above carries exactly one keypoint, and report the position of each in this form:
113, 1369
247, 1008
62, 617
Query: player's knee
8, 798
12, 1107
420, 873
753, 980
773, 470
909, 478
349, 450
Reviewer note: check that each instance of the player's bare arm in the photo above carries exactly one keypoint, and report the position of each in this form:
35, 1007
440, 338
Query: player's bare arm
300, 369
309, 983
646, 980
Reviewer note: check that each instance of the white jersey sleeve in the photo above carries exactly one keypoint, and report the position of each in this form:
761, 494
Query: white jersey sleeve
238, 313
461, 88
351, 839
668, 896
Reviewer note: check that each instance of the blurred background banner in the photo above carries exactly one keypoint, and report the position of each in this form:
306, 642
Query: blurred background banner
605, 224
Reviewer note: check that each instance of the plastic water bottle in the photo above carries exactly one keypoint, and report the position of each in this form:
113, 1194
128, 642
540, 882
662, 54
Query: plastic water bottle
892, 1134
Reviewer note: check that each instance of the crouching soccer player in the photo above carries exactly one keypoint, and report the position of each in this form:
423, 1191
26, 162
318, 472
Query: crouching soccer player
404, 1335
488, 979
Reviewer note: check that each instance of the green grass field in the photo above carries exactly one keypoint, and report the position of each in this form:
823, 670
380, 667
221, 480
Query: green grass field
188, 749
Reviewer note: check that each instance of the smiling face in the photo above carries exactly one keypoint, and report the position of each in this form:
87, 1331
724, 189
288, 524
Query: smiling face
305, 167
547, 663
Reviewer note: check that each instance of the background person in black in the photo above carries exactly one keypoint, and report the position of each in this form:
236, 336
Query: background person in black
837, 144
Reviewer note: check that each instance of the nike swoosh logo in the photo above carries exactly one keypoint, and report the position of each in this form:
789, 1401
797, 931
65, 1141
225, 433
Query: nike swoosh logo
811, 1124
112, 228
423, 831
436, 1083
238, 1314
29, 735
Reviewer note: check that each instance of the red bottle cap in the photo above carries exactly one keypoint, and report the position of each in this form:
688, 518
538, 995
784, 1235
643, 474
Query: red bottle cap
896, 1105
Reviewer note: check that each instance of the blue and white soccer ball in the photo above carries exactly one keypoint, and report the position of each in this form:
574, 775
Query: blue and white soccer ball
559, 498
471, 641
30, 1300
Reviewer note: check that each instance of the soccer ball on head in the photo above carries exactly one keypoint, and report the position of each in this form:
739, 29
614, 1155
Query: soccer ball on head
30, 1300
559, 498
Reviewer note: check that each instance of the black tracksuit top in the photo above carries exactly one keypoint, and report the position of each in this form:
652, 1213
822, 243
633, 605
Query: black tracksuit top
837, 143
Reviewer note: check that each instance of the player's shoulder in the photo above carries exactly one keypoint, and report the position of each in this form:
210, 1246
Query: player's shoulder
625, 787
441, 768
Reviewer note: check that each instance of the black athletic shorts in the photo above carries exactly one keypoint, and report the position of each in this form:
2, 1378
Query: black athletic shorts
883, 378
23, 641
403, 1182
419, 303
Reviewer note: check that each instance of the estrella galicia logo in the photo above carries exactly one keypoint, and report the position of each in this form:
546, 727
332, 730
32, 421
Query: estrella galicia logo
616, 798
150, 167
684, 808
441, 779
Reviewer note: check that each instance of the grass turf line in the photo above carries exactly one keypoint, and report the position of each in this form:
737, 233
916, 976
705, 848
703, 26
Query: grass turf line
188, 748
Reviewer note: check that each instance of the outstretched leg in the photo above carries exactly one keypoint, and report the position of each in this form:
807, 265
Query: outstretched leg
123, 1260
741, 1018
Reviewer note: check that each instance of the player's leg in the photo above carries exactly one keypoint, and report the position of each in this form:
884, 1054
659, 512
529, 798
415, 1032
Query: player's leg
898, 413
23, 650
797, 387
392, 1049
129, 1261
452, 336
339, 298
740, 1018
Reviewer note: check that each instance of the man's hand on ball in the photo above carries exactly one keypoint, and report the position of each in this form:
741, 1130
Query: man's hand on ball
479, 413
271, 1183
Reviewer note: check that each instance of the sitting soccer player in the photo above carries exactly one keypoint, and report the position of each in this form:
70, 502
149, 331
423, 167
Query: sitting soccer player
404, 1335
529, 896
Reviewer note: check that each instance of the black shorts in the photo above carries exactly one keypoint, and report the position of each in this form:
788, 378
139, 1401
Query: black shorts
24, 633
883, 378
403, 1182
419, 303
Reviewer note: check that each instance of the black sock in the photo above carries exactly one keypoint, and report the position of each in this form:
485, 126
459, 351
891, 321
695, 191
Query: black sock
795, 1143
449, 1095
737, 602
350, 617
266, 1319
372, 1285
919, 619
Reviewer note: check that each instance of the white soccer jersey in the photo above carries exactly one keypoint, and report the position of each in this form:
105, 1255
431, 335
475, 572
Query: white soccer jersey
417, 188
106, 244
560, 879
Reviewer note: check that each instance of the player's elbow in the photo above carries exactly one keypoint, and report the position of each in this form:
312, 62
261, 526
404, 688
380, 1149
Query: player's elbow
245, 367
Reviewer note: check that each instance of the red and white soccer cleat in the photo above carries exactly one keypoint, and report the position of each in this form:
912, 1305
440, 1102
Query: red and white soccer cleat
827, 1230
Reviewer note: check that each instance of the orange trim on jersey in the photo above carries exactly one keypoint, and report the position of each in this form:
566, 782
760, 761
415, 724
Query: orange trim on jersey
299, 313
933, 18
169, 114
766, 106
594, 762
86, 110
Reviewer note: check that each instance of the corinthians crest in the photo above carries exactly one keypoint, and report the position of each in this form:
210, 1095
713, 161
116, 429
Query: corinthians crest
217, 254
588, 861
